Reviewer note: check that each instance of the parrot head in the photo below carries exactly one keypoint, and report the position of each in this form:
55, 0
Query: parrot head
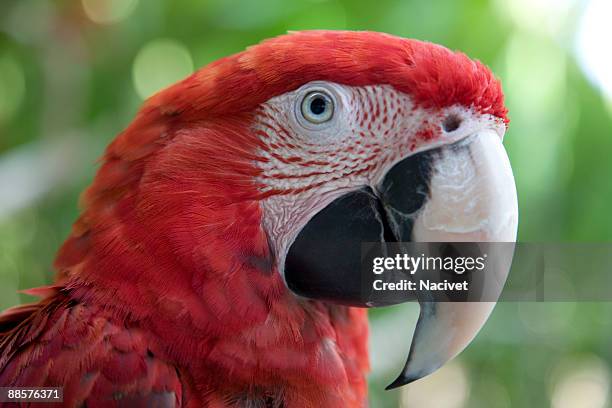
251, 183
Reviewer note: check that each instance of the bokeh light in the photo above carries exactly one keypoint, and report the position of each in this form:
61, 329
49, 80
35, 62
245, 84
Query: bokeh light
539, 16
581, 382
108, 11
158, 64
593, 44
448, 387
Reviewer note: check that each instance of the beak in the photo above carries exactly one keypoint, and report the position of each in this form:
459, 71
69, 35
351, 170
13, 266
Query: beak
472, 198
463, 192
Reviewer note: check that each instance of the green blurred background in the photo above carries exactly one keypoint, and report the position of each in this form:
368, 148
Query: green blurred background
73, 73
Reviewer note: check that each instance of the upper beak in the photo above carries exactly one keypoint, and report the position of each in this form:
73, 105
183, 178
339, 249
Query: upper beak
472, 198
463, 192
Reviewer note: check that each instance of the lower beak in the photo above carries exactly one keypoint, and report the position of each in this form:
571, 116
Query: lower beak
463, 192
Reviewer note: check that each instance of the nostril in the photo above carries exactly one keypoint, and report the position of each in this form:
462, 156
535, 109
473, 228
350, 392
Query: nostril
451, 123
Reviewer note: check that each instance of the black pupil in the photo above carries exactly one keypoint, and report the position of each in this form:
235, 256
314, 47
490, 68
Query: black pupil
317, 105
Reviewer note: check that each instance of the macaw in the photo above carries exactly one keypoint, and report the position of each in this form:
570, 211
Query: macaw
208, 265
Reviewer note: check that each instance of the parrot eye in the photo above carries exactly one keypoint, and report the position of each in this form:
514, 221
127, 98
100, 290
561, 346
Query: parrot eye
317, 107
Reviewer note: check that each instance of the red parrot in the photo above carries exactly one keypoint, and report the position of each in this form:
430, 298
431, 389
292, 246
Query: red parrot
212, 263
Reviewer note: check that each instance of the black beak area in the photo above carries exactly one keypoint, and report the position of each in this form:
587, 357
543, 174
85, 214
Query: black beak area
324, 261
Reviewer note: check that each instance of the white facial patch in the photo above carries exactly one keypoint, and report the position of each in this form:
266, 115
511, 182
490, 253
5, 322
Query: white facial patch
307, 164
366, 123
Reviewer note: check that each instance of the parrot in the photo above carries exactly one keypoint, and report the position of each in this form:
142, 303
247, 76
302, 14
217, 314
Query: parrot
212, 263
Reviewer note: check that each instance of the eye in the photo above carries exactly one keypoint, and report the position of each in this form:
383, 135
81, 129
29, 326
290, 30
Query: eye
317, 107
